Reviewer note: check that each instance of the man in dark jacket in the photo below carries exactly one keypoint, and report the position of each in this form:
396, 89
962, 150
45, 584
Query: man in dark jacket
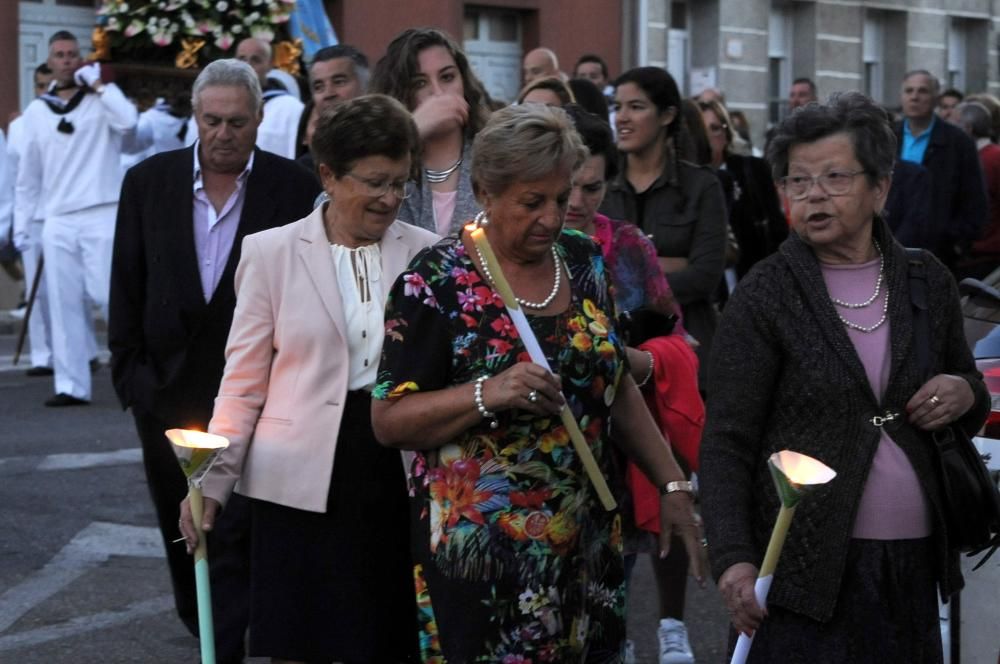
181, 221
958, 195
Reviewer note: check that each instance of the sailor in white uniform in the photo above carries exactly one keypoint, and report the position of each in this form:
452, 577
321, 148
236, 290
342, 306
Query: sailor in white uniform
282, 110
160, 128
70, 169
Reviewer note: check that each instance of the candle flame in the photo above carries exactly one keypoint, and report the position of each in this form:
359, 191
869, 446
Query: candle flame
802, 470
196, 439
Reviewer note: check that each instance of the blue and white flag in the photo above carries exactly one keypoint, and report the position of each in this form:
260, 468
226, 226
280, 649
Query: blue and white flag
310, 23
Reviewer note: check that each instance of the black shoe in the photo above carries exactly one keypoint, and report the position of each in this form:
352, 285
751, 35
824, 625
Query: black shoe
35, 372
95, 365
62, 399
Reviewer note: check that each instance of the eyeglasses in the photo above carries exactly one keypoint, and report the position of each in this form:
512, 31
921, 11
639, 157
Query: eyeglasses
834, 183
379, 189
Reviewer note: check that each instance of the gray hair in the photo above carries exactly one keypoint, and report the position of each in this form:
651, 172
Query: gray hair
935, 83
232, 72
851, 113
976, 119
524, 143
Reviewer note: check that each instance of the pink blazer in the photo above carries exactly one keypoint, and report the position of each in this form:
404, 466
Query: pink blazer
283, 391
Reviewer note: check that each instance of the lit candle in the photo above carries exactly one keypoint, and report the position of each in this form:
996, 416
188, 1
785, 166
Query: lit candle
794, 475
538, 357
196, 452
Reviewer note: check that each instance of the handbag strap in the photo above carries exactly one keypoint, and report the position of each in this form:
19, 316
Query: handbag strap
917, 271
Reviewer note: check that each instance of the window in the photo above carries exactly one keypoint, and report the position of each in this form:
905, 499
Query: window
958, 38
873, 55
779, 59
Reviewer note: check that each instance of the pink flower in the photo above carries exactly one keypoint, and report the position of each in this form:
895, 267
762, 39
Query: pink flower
163, 38
415, 284
134, 28
225, 41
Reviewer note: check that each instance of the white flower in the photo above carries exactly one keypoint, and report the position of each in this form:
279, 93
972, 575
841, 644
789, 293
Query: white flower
164, 21
526, 601
253, 17
221, 5
263, 32
237, 29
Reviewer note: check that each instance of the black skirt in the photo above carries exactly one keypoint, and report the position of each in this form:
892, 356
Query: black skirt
886, 612
339, 585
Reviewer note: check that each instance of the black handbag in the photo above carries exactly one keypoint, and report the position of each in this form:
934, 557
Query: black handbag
644, 323
971, 500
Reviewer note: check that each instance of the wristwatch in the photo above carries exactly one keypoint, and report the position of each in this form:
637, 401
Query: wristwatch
677, 485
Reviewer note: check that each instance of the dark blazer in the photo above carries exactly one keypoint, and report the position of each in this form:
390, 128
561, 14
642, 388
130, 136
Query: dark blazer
785, 375
755, 217
959, 208
167, 344
908, 206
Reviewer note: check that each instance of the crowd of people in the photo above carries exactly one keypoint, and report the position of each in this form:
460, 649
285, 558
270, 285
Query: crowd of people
301, 269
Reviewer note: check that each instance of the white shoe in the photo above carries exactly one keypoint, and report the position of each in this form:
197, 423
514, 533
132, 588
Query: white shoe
629, 652
674, 645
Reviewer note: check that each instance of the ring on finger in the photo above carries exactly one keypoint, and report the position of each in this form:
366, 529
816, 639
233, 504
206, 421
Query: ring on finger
533, 396
704, 542
935, 401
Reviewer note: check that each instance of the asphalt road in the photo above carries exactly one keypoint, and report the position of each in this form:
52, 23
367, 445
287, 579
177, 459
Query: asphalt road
82, 573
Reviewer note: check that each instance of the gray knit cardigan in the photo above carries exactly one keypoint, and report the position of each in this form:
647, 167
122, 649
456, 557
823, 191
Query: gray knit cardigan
784, 375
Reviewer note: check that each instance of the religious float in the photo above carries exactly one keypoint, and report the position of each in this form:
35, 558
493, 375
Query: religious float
155, 48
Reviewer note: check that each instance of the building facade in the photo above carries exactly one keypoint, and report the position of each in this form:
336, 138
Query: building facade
752, 50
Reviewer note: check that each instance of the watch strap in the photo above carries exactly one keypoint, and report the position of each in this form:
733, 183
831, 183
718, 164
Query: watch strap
677, 485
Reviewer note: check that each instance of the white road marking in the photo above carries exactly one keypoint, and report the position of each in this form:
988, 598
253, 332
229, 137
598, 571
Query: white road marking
70, 461
91, 459
88, 549
85, 624
7, 362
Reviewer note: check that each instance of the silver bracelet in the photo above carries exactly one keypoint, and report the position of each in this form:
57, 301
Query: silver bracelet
480, 406
649, 374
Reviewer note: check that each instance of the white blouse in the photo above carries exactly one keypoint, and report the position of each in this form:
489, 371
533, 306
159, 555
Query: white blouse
359, 278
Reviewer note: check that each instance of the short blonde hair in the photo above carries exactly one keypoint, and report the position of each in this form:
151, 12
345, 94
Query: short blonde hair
522, 144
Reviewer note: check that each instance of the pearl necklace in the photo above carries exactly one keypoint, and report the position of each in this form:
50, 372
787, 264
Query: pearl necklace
524, 303
878, 287
868, 328
437, 177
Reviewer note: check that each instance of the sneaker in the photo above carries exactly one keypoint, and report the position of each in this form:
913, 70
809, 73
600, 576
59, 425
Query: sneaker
674, 645
629, 652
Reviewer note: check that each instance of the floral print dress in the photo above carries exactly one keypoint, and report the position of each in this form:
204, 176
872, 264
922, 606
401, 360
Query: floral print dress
515, 559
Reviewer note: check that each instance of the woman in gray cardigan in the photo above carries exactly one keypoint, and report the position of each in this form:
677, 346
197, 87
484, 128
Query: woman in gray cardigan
815, 353
427, 71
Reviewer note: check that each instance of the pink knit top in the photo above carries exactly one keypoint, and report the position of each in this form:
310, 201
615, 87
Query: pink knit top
893, 505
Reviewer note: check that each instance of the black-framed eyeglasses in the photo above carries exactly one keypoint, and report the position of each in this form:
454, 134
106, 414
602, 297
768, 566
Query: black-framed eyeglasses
379, 189
834, 183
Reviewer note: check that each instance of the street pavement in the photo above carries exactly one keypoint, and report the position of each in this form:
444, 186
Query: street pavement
82, 573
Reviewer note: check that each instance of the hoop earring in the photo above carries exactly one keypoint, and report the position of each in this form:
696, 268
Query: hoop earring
481, 220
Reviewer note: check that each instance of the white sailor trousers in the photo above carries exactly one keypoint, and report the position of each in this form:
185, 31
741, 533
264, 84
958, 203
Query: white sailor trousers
77, 251
40, 323
39, 326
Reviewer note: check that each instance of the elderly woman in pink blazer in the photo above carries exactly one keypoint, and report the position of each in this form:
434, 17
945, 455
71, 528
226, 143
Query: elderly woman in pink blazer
330, 573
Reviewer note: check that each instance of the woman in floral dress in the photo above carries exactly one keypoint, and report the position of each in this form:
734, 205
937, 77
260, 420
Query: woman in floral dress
516, 561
